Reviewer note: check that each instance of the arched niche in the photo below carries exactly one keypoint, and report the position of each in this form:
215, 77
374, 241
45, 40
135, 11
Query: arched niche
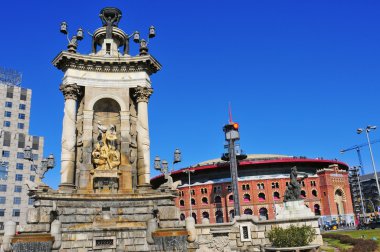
106, 113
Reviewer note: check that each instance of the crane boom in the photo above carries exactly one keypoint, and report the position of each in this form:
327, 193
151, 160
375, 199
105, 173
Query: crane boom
359, 146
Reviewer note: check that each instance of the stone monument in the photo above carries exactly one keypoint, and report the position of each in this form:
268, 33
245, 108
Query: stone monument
104, 201
294, 206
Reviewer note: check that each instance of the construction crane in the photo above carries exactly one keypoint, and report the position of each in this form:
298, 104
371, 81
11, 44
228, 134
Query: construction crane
357, 148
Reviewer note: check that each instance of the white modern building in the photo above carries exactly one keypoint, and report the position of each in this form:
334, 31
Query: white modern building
14, 169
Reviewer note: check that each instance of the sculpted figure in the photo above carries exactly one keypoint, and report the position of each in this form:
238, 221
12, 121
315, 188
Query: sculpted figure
293, 191
105, 156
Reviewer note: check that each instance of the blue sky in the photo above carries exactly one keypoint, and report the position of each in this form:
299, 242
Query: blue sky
301, 75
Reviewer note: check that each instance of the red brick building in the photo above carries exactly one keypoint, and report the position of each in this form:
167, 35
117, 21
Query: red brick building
262, 183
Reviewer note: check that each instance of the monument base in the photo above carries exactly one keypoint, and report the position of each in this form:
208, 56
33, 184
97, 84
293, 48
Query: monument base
294, 210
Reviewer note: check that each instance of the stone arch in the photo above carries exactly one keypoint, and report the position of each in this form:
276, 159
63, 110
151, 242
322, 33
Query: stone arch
263, 213
91, 103
339, 201
248, 211
276, 195
219, 216
246, 197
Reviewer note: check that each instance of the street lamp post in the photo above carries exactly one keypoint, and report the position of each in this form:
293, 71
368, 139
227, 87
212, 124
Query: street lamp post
46, 163
367, 130
188, 171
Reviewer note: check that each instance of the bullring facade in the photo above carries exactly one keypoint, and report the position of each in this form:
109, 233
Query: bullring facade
262, 184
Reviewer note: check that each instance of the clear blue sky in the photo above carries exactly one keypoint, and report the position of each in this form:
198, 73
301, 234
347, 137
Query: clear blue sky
301, 75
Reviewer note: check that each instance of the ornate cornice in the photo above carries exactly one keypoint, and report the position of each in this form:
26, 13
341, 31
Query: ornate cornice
142, 94
66, 60
71, 91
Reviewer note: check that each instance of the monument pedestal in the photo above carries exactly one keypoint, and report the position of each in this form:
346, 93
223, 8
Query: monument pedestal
294, 210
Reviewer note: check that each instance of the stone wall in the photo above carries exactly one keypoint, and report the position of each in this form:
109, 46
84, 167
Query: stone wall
245, 233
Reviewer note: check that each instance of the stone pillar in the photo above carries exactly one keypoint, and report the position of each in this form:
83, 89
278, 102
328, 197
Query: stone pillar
142, 95
71, 93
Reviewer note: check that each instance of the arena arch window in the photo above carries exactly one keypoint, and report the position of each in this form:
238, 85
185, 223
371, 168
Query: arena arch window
314, 193
277, 185
317, 209
193, 202
261, 197
303, 183
263, 212
194, 215
204, 191
231, 198
182, 217
276, 196
245, 187
312, 183
229, 188
246, 197
303, 194
182, 203
219, 216
217, 189
231, 214
192, 192
181, 193
260, 186
206, 215
248, 211
217, 199
204, 200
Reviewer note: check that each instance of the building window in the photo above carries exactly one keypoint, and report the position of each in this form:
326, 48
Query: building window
229, 188
217, 189
303, 183
245, 187
16, 212
20, 125
3, 188
204, 191
218, 199
193, 202
2, 212
312, 183
8, 104
35, 156
314, 193
18, 188
248, 211
1, 225
260, 186
204, 201
303, 194
19, 166
192, 192
22, 106
7, 113
16, 200
276, 195
246, 197
219, 216
21, 141
182, 217
21, 116
261, 197
36, 143
33, 167
23, 94
182, 202
7, 124
205, 215
2, 200
231, 198
20, 155
18, 177
10, 91
30, 201
6, 153
32, 178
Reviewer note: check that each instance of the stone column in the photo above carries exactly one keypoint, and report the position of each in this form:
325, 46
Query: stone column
142, 95
71, 93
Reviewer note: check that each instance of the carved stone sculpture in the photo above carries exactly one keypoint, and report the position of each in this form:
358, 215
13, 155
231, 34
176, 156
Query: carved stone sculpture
105, 156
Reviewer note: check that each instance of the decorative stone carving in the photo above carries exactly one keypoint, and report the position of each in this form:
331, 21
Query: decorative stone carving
142, 94
105, 156
71, 91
